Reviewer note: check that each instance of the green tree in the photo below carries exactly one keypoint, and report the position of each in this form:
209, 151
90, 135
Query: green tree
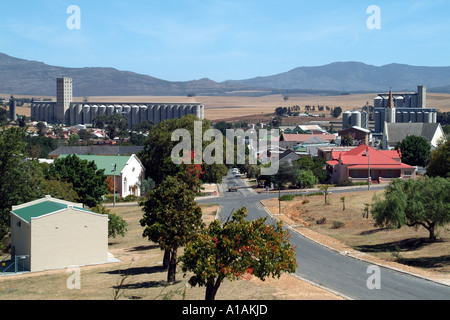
307, 179
100, 121
59, 190
439, 164
88, 181
415, 150
235, 248
117, 126
347, 140
414, 203
156, 156
171, 218
336, 112
19, 178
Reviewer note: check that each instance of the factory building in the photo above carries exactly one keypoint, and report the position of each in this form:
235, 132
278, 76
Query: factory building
402, 108
65, 111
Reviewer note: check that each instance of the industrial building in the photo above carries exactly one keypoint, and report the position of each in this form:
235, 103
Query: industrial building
65, 111
402, 108
49, 233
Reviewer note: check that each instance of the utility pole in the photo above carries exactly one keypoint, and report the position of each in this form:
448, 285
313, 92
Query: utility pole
368, 161
114, 170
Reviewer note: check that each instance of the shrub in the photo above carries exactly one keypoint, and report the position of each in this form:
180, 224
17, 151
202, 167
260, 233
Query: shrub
321, 221
305, 201
337, 224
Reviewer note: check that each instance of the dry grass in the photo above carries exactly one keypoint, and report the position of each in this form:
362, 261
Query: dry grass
218, 108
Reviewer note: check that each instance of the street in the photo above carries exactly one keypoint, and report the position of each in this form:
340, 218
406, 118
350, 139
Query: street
320, 265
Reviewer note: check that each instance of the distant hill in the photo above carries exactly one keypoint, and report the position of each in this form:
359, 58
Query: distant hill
356, 76
25, 77
19, 76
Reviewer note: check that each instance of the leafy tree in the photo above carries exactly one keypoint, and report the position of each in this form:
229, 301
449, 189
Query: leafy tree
100, 121
156, 156
88, 181
59, 190
171, 218
415, 150
85, 134
19, 179
347, 140
439, 164
117, 126
414, 203
223, 126
336, 112
281, 111
236, 248
307, 179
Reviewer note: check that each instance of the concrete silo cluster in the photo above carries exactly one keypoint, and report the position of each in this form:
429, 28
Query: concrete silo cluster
66, 112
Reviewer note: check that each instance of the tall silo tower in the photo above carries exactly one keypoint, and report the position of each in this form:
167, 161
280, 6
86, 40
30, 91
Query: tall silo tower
64, 97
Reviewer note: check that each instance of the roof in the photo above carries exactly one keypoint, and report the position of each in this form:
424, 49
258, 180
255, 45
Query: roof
41, 209
97, 150
306, 137
358, 157
105, 162
398, 131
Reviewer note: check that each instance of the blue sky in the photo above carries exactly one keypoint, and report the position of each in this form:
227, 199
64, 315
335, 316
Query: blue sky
184, 40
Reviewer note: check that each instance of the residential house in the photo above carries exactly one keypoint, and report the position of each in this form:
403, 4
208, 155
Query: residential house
359, 135
357, 163
127, 172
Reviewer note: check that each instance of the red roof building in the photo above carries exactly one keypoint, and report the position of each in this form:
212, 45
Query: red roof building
355, 165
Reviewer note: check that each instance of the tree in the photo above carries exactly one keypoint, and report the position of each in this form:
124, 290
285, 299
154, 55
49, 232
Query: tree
100, 121
336, 112
236, 248
88, 181
156, 156
324, 188
19, 178
439, 164
85, 135
347, 140
117, 126
171, 218
415, 150
414, 203
307, 179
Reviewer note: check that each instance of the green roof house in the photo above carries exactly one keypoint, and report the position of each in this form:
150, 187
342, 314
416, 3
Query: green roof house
52, 234
128, 174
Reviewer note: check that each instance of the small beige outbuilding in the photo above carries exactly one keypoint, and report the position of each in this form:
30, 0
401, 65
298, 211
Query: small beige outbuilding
49, 234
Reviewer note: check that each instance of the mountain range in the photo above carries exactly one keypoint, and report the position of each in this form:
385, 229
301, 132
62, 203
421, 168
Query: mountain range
24, 77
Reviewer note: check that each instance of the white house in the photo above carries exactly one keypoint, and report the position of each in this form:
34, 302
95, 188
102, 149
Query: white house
127, 171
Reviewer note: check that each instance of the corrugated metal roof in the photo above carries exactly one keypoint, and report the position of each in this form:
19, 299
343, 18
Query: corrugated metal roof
105, 162
41, 209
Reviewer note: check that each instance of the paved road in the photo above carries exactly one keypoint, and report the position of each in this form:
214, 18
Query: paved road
334, 271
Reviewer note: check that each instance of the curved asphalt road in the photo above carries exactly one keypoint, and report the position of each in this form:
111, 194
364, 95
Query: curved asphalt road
339, 273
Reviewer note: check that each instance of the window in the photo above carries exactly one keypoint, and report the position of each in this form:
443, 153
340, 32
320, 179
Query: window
408, 173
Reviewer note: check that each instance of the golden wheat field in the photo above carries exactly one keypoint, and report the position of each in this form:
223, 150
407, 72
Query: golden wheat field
219, 107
